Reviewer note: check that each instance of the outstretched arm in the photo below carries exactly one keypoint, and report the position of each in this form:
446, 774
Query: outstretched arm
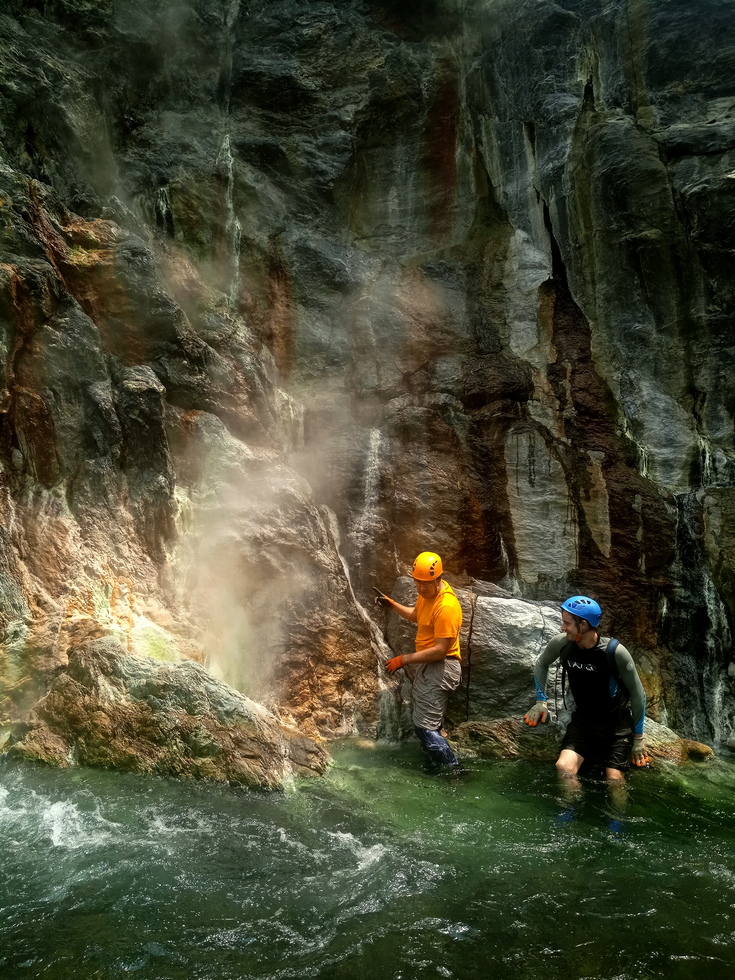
540, 712
408, 612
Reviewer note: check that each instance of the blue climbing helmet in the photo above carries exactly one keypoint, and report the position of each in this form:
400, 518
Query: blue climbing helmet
584, 607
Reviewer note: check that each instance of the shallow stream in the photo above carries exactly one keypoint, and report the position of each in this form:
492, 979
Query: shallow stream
378, 871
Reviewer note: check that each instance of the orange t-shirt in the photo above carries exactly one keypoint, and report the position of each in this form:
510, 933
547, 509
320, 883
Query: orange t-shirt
439, 618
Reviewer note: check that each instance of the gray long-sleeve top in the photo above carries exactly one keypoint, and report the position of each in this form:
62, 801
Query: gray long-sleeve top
626, 670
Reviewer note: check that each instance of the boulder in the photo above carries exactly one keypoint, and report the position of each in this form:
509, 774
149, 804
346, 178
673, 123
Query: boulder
511, 738
507, 635
663, 743
508, 738
135, 713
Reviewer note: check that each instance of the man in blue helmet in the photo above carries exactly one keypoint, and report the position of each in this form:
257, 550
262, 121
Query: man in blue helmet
610, 703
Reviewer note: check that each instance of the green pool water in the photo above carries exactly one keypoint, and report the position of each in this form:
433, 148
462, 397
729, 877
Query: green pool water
377, 871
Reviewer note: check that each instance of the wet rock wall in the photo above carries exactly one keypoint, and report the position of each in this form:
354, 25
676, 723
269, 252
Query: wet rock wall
293, 290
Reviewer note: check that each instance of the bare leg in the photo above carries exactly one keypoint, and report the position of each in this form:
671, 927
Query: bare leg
614, 775
567, 767
618, 790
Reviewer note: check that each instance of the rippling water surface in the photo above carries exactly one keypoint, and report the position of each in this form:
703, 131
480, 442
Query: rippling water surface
377, 871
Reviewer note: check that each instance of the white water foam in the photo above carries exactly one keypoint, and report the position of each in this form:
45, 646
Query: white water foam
366, 854
67, 827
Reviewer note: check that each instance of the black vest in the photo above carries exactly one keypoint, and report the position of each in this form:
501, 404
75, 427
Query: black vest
593, 684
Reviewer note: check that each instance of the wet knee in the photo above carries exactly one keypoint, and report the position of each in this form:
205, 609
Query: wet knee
565, 769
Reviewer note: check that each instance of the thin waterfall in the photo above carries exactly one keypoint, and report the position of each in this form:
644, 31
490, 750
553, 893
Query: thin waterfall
333, 527
365, 523
388, 711
164, 215
233, 228
718, 641
225, 161
291, 416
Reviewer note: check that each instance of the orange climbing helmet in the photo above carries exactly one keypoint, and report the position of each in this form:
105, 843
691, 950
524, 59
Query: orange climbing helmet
427, 567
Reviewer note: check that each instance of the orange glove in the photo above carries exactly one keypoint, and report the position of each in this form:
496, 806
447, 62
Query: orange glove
639, 756
395, 664
539, 712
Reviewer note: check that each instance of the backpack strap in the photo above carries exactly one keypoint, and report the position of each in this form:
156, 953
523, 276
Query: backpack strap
615, 682
612, 646
563, 679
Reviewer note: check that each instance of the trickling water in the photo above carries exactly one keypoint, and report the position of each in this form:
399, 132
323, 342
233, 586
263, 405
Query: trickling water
225, 164
375, 871
707, 462
389, 723
333, 525
231, 12
291, 418
719, 634
164, 215
365, 523
233, 228
363, 533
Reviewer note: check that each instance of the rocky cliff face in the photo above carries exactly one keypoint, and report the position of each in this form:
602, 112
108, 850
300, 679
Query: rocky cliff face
294, 290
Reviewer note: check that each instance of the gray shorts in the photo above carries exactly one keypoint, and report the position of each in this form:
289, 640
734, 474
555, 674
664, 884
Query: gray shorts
432, 685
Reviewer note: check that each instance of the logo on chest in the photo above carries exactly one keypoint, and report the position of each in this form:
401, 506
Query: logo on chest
575, 665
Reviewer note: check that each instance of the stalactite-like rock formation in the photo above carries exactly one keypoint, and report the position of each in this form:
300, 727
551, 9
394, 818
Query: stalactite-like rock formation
290, 291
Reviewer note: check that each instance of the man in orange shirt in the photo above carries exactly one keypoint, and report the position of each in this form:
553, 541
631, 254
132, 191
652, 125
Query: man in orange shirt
438, 614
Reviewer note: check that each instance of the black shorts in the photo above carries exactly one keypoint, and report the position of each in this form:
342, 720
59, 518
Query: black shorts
608, 744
